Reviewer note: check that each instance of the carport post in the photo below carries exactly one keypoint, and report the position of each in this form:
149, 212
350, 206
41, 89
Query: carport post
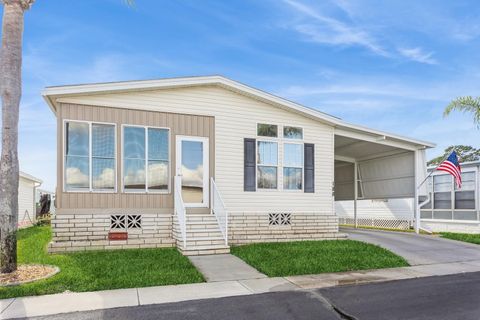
355, 192
416, 204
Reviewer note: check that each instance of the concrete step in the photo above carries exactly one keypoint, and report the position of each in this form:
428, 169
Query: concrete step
204, 250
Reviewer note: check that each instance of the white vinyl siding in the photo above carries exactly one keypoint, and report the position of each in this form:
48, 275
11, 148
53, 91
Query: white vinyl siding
26, 198
236, 118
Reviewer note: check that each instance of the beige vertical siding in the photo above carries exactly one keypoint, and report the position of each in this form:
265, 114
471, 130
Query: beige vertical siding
236, 117
179, 124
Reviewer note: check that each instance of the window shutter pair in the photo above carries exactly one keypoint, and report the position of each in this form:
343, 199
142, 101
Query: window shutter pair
250, 170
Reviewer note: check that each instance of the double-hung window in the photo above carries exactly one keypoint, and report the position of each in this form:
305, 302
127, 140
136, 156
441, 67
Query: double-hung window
292, 166
90, 161
267, 165
145, 159
267, 156
292, 159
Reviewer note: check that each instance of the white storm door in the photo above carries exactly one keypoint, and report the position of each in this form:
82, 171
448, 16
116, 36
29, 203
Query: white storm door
192, 163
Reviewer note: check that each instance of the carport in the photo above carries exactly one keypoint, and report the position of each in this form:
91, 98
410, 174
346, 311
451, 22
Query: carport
374, 165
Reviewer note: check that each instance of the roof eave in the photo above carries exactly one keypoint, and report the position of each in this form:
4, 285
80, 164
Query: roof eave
51, 93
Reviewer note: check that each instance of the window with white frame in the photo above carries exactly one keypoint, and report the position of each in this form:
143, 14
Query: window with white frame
465, 196
145, 159
267, 165
90, 156
292, 132
267, 130
442, 191
292, 166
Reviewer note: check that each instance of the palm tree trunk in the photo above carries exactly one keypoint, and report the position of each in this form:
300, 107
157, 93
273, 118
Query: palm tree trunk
10, 92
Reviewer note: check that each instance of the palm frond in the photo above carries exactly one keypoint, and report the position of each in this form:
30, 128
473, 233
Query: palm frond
465, 104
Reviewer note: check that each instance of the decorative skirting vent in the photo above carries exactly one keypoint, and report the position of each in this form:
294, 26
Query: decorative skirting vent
117, 221
279, 219
134, 221
125, 222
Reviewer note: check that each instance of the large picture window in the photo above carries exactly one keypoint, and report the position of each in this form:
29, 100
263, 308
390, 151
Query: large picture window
292, 166
89, 156
145, 159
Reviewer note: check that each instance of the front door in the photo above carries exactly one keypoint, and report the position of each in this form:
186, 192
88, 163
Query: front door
192, 165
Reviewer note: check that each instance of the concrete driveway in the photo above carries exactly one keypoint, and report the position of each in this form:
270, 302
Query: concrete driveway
418, 249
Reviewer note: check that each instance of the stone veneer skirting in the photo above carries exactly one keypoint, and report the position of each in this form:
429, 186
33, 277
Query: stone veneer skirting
89, 231
253, 227
78, 231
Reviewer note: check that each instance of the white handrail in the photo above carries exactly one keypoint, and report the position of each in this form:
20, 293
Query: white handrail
219, 210
180, 210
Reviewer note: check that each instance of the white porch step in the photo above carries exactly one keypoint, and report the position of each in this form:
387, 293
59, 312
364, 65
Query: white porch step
203, 235
205, 250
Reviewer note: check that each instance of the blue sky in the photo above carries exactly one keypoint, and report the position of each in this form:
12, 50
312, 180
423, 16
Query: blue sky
390, 65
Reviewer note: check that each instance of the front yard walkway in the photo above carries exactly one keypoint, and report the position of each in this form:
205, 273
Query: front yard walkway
224, 267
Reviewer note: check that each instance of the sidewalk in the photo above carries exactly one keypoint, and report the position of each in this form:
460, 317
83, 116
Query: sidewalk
72, 302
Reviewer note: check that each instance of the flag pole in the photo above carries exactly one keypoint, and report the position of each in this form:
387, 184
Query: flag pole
417, 205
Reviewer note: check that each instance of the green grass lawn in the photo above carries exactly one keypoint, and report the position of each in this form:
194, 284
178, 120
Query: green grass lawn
99, 270
311, 257
465, 237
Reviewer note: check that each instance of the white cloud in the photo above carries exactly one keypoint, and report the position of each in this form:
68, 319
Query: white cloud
106, 179
75, 177
417, 54
192, 177
327, 30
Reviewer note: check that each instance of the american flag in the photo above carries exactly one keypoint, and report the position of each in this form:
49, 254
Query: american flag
452, 166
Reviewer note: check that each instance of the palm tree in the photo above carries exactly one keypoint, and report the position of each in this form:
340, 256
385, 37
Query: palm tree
10, 93
466, 104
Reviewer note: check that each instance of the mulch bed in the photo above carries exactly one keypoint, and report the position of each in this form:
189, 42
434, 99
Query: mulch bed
27, 273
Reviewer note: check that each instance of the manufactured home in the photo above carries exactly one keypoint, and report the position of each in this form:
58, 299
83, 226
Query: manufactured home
202, 163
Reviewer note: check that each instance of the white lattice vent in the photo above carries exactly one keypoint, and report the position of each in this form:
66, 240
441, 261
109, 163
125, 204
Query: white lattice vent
125, 221
279, 219
134, 221
402, 224
117, 221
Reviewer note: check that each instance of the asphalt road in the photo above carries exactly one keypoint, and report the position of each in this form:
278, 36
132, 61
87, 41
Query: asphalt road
439, 298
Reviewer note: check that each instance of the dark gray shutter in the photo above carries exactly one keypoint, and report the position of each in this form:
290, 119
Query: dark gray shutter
309, 167
249, 168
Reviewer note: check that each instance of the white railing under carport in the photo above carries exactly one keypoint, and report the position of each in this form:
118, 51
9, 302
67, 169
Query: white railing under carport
180, 210
219, 210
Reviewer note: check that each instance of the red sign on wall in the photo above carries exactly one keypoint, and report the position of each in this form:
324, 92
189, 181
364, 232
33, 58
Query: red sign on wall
117, 236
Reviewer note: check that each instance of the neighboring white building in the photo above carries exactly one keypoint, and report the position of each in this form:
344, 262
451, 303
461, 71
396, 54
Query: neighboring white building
27, 186
453, 210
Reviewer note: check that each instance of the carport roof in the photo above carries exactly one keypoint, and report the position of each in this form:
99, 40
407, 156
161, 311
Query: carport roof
343, 128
